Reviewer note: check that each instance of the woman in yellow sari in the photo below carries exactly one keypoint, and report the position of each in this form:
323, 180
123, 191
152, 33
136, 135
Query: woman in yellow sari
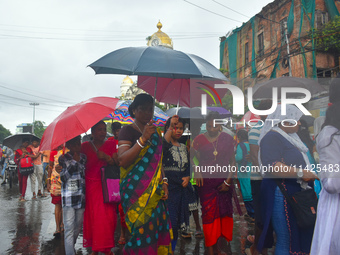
143, 188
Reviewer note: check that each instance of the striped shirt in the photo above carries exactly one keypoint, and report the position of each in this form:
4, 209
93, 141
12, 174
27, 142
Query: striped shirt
73, 181
254, 133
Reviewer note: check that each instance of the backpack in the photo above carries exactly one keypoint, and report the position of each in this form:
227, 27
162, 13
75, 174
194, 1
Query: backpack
26, 166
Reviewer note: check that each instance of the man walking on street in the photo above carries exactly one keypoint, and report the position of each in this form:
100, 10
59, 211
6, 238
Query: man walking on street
38, 169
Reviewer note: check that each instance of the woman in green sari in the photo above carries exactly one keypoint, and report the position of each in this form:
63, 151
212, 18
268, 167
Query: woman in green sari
143, 188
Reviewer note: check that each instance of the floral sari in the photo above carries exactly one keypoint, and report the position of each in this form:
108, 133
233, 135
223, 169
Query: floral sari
146, 215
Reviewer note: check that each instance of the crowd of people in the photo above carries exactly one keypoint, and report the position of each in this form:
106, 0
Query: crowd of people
164, 181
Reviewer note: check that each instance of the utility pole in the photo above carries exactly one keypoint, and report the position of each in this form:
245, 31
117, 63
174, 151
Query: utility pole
288, 51
34, 105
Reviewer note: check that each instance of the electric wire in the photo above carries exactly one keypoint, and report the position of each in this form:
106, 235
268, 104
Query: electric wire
212, 12
231, 9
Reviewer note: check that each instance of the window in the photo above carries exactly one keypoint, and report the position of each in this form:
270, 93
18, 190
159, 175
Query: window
321, 19
246, 54
324, 76
260, 45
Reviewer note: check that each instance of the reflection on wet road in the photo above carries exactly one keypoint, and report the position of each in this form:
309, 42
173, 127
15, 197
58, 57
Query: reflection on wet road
28, 227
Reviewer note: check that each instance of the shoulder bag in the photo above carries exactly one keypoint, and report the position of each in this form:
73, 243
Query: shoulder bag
304, 204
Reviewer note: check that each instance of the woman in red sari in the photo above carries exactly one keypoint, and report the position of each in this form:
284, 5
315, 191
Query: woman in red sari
99, 219
216, 190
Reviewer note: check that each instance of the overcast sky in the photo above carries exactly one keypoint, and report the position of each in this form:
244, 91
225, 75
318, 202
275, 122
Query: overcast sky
45, 46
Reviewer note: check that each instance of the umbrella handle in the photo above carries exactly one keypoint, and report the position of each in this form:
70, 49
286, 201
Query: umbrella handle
154, 99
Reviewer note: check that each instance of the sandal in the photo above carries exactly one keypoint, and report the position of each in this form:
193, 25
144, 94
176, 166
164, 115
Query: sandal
122, 241
199, 234
185, 234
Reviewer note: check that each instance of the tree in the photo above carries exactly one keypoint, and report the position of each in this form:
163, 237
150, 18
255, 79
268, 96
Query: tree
39, 128
4, 132
328, 38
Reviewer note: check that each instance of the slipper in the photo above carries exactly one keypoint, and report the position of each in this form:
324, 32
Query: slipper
185, 234
22, 200
34, 197
121, 241
199, 234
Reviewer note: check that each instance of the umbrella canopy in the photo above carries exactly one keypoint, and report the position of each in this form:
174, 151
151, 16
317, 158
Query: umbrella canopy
77, 119
155, 61
185, 112
264, 90
224, 113
160, 62
122, 115
14, 141
183, 92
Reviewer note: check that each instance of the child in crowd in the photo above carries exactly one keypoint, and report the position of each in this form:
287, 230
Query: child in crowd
72, 176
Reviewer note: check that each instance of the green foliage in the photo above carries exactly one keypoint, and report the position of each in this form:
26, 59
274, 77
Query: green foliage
328, 38
39, 128
162, 107
4, 132
224, 71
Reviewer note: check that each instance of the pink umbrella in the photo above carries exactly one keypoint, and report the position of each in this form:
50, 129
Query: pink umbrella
183, 92
247, 117
75, 120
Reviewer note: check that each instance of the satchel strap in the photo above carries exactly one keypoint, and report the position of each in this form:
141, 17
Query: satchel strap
284, 192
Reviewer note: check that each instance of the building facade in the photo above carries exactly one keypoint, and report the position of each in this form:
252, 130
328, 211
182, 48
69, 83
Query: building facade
258, 50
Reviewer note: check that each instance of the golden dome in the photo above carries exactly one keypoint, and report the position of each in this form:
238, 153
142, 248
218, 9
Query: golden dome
159, 25
127, 80
165, 40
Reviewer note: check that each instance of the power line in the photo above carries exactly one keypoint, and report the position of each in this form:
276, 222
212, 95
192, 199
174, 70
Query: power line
25, 93
212, 11
100, 40
107, 31
294, 53
21, 99
231, 9
28, 107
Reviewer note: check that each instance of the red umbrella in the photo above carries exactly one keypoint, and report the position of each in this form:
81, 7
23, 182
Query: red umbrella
247, 117
77, 119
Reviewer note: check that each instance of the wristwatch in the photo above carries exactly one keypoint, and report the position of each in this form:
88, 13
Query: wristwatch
300, 173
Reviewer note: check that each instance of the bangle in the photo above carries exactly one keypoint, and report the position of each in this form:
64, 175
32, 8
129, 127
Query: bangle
225, 182
167, 184
141, 141
139, 144
165, 179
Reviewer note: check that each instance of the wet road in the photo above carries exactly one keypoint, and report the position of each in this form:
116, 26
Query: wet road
28, 227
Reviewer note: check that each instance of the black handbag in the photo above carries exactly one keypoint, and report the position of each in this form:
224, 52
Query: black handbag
304, 204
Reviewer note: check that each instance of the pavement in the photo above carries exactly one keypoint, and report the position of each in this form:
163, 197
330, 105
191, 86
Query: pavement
28, 227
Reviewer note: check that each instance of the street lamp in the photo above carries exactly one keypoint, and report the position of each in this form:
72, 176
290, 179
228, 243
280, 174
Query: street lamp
286, 39
34, 105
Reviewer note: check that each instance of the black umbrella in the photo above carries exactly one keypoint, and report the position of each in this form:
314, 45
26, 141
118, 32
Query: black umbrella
186, 112
14, 141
